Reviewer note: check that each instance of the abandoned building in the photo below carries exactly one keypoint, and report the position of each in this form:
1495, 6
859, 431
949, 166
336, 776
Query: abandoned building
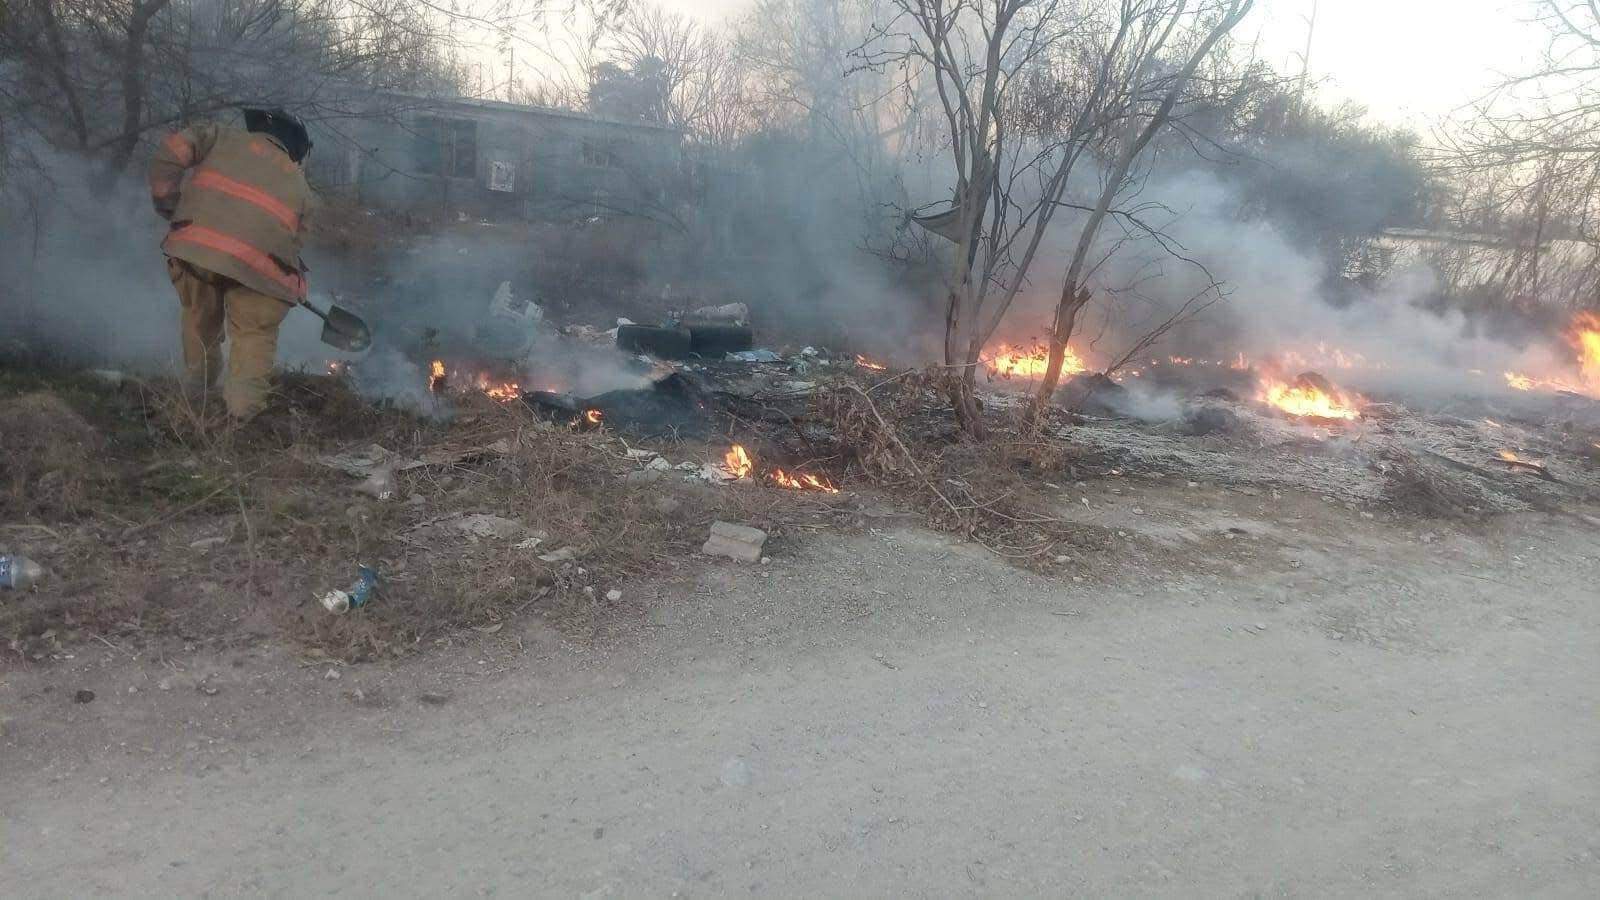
503, 161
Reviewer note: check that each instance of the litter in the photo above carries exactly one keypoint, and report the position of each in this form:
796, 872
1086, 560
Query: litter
359, 594
18, 573
754, 356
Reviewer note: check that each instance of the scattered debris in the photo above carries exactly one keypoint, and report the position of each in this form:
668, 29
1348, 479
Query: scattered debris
739, 542
380, 484
18, 573
729, 312
359, 594
754, 356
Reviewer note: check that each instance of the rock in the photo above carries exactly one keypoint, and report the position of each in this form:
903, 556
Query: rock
433, 698
739, 542
659, 464
643, 477
207, 543
638, 453
83, 696
332, 675
565, 554
613, 595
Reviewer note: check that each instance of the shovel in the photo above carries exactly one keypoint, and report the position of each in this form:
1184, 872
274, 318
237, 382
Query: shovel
342, 329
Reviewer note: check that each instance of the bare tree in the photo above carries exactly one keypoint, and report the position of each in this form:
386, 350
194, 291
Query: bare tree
970, 54
1528, 160
95, 76
1148, 93
1033, 92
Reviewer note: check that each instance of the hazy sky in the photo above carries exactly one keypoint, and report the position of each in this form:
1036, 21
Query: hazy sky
1409, 61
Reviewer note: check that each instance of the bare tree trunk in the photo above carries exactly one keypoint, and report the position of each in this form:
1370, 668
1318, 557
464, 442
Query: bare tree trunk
133, 89
58, 70
1074, 292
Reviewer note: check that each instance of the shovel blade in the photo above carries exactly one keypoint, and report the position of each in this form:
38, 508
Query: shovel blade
343, 329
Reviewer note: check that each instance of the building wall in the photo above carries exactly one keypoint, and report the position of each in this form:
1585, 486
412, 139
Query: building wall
559, 167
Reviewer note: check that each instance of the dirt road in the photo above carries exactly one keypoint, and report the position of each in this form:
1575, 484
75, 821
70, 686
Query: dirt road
1259, 696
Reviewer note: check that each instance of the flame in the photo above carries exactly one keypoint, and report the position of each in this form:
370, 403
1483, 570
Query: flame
338, 367
436, 375
1240, 364
1302, 398
800, 481
1015, 362
593, 416
1492, 423
503, 392
865, 363
1585, 338
1509, 456
738, 462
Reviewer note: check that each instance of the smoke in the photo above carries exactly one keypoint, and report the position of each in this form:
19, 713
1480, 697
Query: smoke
85, 280
1276, 302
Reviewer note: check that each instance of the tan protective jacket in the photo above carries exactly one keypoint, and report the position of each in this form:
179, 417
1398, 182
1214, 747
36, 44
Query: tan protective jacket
241, 213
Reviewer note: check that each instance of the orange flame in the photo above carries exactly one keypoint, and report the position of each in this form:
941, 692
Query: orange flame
503, 392
800, 481
1302, 398
593, 416
436, 375
738, 462
1509, 456
1015, 362
1585, 338
865, 363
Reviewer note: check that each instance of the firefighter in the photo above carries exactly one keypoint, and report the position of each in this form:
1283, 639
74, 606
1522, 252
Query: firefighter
233, 249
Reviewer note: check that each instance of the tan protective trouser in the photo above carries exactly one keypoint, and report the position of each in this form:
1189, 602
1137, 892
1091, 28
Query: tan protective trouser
210, 300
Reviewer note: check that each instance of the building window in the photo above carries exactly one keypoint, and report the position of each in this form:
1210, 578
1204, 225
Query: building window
447, 147
600, 156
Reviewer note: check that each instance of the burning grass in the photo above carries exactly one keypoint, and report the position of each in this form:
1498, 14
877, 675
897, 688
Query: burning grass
1309, 396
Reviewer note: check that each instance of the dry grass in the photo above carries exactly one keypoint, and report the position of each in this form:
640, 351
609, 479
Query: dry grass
48, 458
992, 492
1414, 487
198, 531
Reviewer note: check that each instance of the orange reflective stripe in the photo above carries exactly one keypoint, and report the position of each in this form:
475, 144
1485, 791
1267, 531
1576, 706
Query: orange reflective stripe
210, 179
261, 263
180, 148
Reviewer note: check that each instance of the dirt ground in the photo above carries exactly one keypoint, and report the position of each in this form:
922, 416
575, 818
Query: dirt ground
1255, 694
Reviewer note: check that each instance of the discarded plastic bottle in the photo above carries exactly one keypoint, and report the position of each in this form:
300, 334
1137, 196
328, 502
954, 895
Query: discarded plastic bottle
339, 602
18, 573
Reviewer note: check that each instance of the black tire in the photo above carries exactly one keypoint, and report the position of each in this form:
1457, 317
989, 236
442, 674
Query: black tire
715, 340
666, 343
